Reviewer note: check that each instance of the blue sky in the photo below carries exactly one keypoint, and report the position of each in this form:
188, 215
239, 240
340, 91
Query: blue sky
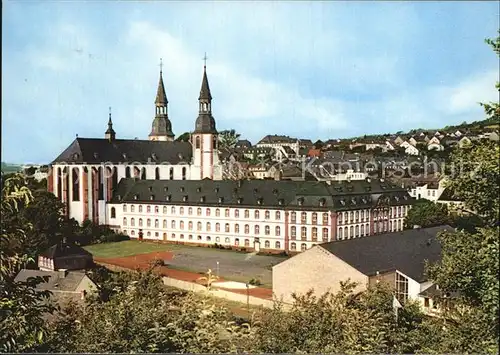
305, 69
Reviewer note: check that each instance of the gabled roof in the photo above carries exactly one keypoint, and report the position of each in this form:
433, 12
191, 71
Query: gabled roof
96, 150
55, 282
277, 139
404, 251
64, 249
448, 195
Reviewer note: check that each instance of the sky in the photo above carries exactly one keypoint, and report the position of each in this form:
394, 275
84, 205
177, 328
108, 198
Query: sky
313, 70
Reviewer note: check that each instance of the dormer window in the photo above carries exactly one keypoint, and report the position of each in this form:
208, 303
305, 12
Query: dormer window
353, 201
124, 155
260, 200
153, 156
275, 191
221, 199
76, 156
202, 199
342, 202
396, 198
152, 197
96, 155
136, 197
198, 189
165, 189
240, 200
322, 202
119, 197
168, 197
216, 190
280, 202
182, 188
150, 188
185, 198
255, 190
301, 201
364, 200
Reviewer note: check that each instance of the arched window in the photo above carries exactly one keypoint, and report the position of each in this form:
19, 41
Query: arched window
247, 229
293, 217
357, 231
172, 224
351, 232
132, 222
217, 212
76, 184
303, 232
351, 217
190, 211
293, 246
346, 232
184, 171
236, 213
390, 226
165, 210
303, 247
357, 216
157, 223
256, 214
132, 208
197, 141
267, 244
127, 171
277, 245
363, 229
399, 224
247, 214
277, 231
181, 225
157, 173
140, 222
314, 234
172, 210
277, 215
236, 228
198, 226
257, 230
132, 233
237, 242
267, 214
140, 208
113, 212
181, 211
209, 227
293, 232
226, 228
214, 139
165, 223
267, 230
227, 241
314, 218
226, 212
148, 222
143, 174
325, 234
209, 239
148, 209
303, 217
340, 236
198, 211
325, 218
124, 221
157, 209
247, 242
207, 212
171, 173
217, 227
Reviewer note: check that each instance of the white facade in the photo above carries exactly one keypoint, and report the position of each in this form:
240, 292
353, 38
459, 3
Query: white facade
409, 149
427, 192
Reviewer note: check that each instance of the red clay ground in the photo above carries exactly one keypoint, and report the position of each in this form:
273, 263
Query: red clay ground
142, 262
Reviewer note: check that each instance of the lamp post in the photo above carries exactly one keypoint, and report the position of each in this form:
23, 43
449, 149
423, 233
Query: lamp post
248, 300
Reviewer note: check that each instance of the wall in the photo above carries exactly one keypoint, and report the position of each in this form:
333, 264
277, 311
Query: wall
314, 269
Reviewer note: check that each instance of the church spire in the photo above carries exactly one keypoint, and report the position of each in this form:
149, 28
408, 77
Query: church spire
205, 122
161, 127
110, 132
205, 88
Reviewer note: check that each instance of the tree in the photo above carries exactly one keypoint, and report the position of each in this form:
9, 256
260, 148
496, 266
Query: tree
492, 109
209, 278
228, 138
185, 137
425, 213
22, 307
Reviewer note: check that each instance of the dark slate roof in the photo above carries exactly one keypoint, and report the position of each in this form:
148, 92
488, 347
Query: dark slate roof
205, 88
265, 193
289, 150
243, 143
96, 150
64, 249
404, 251
161, 96
205, 123
277, 139
55, 282
448, 195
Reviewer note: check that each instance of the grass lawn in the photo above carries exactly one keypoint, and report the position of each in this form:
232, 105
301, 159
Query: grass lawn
126, 248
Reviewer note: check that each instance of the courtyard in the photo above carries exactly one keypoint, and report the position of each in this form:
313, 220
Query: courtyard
227, 264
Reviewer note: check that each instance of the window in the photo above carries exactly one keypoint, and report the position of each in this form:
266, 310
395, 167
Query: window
426, 302
293, 246
140, 222
277, 215
156, 234
157, 209
339, 218
172, 210
247, 242
199, 237
181, 225
247, 229
140, 208
124, 221
132, 233
148, 209
132, 222
293, 217
164, 236
165, 223
325, 218
171, 173
236, 228
267, 214
181, 236
217, 212
293, 232
124, 208
173, 235
267, 244
303, 218
227, 241
314, 218
75, 184
198, 226
399, 224
217, 227
164, 209
257, 230
217, 239
340, 235
190, 211
190, 225
181, 211
132, 208
399, 211
267, 230
113, 212
237, 242
256, 214
303, 233
184, 170
172, 224
277, 245
303, 247
401, 287
247, 214
351, 217
351, 232
346, 232
197, 142
357, 231
157, 173
226, 229
363, 229
209, 227
157, 223
226, 212
236, 213
148, 222
148, 234
277, 231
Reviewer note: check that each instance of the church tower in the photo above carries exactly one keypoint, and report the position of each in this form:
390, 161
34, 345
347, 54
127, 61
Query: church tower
205, 138
162, 127
110, 134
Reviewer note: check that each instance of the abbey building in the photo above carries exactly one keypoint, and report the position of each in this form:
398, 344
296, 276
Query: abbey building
86, 173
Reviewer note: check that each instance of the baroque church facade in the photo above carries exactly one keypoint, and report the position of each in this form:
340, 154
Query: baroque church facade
86, 174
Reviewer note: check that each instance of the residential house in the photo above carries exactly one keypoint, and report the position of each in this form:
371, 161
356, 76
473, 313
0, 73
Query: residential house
434, 144
428, 190
454, 204
66, 256
396, 258
243, 143
409, 148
